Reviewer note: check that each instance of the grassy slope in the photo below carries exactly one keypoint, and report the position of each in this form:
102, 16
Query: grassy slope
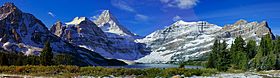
70, 71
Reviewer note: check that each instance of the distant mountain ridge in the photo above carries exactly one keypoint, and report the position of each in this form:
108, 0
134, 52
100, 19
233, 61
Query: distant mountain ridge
184, 41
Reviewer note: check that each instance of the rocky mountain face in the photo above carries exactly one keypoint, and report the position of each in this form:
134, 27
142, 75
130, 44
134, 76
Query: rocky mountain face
108, 37
184, 41
109, 24
248, 30
22, 32
82, 32
120, 37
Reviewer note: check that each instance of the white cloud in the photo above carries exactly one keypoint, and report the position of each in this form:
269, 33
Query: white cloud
141, 17
51, 14
176, 18
182, 4
122, 5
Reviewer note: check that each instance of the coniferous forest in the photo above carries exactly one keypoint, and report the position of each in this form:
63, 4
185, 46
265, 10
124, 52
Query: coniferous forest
46, 58
245, 55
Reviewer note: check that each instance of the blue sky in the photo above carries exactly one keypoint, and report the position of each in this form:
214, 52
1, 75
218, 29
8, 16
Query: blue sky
145, 16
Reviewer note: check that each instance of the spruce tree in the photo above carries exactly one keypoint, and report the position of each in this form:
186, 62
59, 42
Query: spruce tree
223, 57
3, 59
277, 52
251, 49
46, 55
265, 58
64, 59
238, 54
19, 59
243, 60
212, 59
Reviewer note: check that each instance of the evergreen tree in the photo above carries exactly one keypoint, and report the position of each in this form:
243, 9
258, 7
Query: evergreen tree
64, 59
46, 55
223, 57
19, 59
265, 58
3, 59
277, 52
243, 60
212, 62
251, 49
238, 54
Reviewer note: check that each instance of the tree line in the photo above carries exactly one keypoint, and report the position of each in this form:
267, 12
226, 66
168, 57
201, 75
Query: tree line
46, 58
245, 56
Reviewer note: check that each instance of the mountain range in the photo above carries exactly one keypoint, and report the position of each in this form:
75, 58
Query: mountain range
95, 42
22, 32
184, 41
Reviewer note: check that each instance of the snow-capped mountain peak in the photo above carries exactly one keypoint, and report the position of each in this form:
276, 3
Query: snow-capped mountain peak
182, 23
107, 15
84, 33
77, 20
108, 23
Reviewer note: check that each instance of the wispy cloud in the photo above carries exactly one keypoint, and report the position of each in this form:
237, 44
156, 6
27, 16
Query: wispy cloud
122, 5
176, 18
126, 6
51, 14
141, 17
182, 4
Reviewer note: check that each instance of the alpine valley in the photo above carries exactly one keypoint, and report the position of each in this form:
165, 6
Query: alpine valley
98, 42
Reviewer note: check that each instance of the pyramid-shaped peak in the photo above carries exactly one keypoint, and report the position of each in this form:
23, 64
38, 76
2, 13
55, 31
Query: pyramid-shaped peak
78, 20
108, 23
107, 16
